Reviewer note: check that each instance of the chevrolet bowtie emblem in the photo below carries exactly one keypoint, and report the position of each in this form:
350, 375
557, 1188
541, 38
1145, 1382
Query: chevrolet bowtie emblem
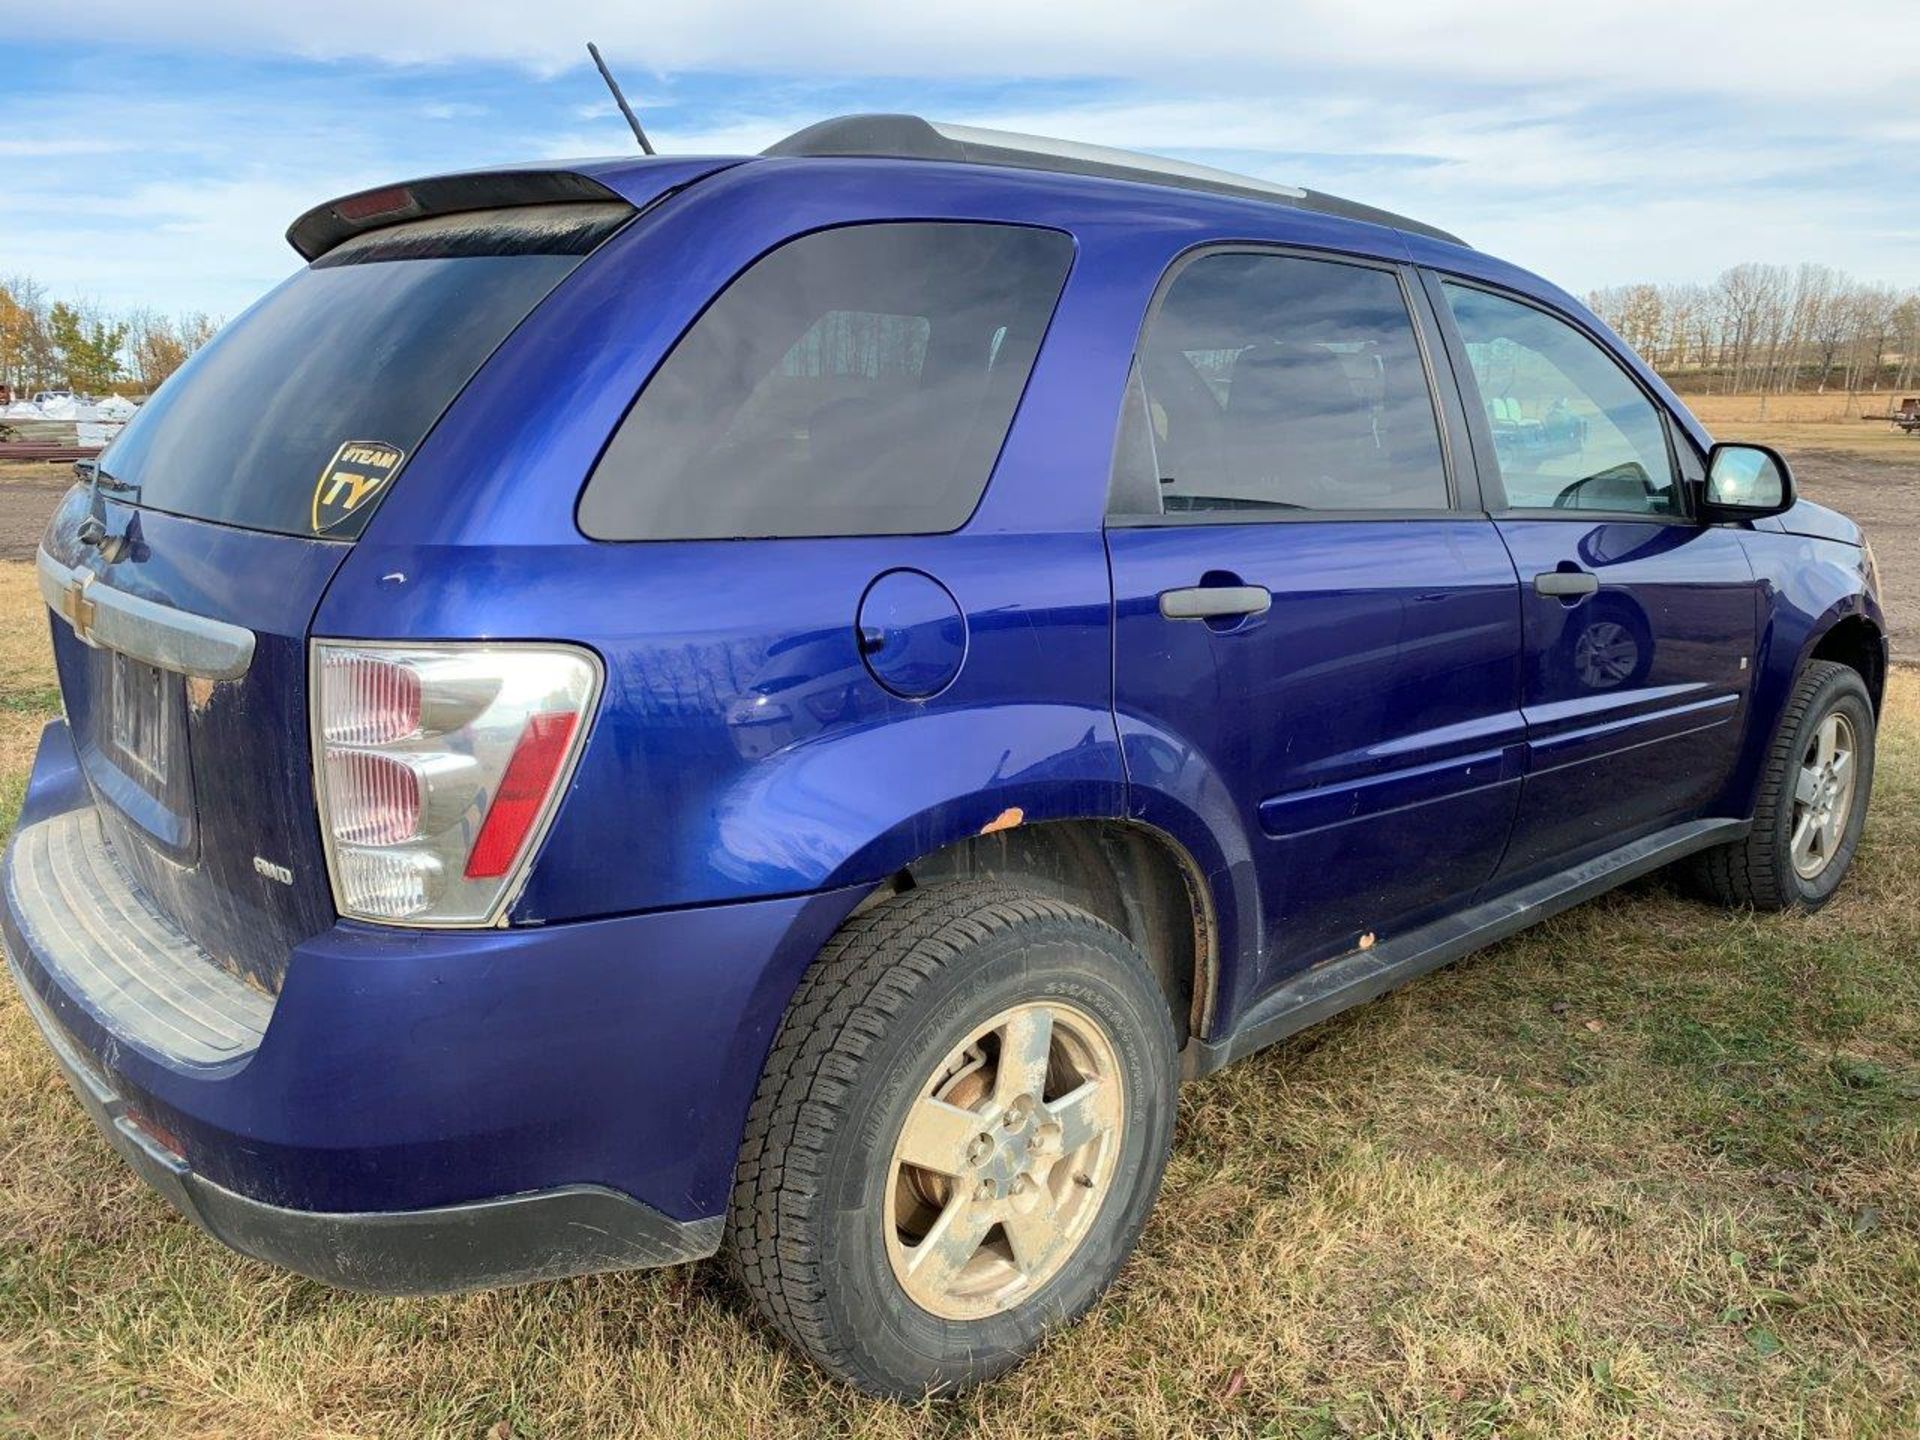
77, 608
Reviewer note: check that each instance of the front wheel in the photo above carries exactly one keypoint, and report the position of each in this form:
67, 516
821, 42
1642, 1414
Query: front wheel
957, 1138
1813, 799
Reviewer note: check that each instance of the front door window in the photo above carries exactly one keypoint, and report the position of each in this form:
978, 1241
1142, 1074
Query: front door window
1571, 431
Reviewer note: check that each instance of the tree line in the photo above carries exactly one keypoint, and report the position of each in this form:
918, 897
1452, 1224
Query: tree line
51, 345
1772, 328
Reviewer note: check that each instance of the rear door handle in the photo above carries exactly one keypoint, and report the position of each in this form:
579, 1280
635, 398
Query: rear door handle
1565, 584
1210, 602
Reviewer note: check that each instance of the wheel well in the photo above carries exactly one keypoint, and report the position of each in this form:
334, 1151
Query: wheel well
1854, 641
1131, 876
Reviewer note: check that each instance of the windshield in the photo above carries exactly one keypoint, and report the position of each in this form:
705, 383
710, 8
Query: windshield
298, 415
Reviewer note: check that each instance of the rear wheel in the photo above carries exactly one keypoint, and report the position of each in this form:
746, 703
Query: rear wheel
957, 1138
1813, 799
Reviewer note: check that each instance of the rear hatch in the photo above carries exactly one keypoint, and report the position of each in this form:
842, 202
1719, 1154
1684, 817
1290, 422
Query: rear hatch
183, 582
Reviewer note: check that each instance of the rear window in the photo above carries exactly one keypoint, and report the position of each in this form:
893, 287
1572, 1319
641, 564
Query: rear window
297, 416
857, 381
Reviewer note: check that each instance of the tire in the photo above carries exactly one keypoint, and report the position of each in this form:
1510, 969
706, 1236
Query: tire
1761, 871
816, 1231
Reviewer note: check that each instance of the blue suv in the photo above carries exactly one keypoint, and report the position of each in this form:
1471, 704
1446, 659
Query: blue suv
785, 702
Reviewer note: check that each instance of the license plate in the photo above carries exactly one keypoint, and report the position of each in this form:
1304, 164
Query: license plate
140, 720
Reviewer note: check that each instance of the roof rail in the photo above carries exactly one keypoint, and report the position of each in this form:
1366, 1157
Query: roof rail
908, 137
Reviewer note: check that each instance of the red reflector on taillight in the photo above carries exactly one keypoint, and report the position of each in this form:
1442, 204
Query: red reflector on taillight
523, 790
390, 201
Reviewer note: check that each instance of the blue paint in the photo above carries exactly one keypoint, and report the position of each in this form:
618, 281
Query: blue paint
1362, 716
788, 723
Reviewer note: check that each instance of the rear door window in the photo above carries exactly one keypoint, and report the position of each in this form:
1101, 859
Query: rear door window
1271, 384
855, 381
298, 415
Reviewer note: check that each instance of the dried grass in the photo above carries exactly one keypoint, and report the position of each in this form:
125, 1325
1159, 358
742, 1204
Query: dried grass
1462, 1211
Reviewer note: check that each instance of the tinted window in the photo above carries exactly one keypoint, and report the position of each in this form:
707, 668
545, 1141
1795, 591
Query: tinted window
369, 344
857, 381
1570, 430
1273, 383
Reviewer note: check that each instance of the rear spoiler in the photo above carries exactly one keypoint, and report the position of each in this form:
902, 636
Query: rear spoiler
325, 226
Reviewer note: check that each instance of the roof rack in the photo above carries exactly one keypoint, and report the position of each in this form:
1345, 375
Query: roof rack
908, 137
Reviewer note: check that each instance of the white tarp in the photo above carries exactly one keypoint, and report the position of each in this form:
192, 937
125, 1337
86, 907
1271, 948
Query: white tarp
93, 420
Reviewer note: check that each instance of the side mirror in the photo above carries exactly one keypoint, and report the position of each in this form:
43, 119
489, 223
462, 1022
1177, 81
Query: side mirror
1747, 482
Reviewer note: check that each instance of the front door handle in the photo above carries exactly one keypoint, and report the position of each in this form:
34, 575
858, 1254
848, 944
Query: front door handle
1565, 584
1213, 602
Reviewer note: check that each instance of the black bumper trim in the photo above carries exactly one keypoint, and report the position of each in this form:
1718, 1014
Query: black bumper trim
513, 1240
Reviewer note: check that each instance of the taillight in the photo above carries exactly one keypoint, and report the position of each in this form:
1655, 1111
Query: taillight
438, 768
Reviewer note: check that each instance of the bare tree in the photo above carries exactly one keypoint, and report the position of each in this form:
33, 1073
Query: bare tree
1766, 327
158, 346
1906, 337
28, 358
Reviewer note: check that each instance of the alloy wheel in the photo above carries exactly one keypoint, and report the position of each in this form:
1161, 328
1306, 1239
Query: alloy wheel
1823, 795
1004, 1161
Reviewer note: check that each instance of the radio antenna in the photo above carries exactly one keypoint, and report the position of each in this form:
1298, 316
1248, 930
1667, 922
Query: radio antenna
646, 145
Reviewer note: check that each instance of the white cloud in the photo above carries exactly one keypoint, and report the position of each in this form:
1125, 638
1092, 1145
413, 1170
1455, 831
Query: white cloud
213, 246
1840, 52
1625, 140
19, 148
1540, 182
178, 201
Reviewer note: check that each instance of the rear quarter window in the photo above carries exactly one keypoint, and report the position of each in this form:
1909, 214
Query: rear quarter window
856, 381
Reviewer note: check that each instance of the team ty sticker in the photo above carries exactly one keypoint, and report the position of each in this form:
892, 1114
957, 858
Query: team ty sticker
359, 470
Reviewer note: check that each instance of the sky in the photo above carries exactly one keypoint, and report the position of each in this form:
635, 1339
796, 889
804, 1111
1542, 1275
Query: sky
153, 154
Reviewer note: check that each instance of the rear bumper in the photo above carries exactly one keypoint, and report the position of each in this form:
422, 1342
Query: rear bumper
543, 1235
432, 1110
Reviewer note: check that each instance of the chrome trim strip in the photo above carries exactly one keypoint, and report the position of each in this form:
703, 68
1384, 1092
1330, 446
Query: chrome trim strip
1110, 157
162, 635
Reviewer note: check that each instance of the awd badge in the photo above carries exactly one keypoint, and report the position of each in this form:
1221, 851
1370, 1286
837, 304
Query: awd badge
358, 471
